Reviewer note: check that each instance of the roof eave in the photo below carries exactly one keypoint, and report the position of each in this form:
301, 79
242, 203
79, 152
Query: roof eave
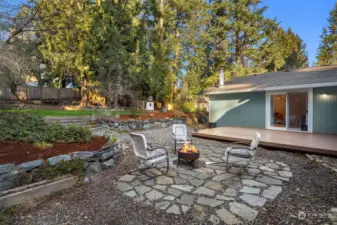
289, 87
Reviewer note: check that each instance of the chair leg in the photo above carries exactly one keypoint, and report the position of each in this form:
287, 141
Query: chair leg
175, 146
167, 164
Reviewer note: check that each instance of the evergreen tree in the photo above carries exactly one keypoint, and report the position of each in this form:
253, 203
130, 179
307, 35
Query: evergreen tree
64, 27
327, 50
324, 55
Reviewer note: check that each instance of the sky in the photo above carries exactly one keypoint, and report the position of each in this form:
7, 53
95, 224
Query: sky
305, 17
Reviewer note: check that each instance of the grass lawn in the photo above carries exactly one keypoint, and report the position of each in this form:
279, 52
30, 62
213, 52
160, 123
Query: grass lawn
76, 112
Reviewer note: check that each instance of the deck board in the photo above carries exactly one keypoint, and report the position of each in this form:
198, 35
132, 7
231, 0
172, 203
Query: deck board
298, 141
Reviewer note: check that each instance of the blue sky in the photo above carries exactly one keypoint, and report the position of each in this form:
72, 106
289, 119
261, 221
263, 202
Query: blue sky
305, 17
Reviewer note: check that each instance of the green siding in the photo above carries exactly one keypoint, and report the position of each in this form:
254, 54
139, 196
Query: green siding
325, 110
240, 109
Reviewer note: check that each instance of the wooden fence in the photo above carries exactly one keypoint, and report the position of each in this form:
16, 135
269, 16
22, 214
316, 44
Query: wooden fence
41, 93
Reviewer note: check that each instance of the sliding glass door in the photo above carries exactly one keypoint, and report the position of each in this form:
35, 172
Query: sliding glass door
298, 110
288, 111
278, 110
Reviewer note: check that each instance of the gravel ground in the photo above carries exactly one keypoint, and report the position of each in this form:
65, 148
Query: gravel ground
312, 190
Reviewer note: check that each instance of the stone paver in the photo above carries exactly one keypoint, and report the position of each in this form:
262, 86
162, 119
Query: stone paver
272, 192
186, 199
173, 209
243, 211
162, 205
223, 176
253, 200
230, 192
170, 198
210, 193
127, 178
196, 182
225, 198
250, 190
123, 186
164, 180
227, 217
173, 191
141, 189
253, 183
185, 208
154, 195
130, 194
209, 201
187, 188
214, 185
269, 180
213, 219
204, 191
285, 174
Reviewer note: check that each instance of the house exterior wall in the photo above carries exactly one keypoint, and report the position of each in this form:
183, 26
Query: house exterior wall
239, 109
325, 110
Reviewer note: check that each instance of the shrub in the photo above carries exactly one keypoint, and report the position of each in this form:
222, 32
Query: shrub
202, 115
74, 166
31, 127
187, 107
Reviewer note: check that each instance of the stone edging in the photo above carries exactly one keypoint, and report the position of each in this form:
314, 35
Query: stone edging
12, 176
141, 124
321, 162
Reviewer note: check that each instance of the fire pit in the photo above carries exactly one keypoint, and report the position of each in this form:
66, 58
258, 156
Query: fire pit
188, 153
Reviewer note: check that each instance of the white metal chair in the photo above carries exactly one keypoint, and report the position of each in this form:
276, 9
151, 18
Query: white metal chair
148, 155
179, 133
241, 153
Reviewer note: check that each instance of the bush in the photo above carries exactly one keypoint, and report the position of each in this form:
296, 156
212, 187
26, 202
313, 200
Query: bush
187, 107
202, 115
31, 127
74, 166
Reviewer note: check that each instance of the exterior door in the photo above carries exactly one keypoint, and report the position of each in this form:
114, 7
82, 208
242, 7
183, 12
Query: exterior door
298, 111
289, 110
278, 112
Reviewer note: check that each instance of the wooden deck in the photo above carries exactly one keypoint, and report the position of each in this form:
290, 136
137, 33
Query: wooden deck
297, 141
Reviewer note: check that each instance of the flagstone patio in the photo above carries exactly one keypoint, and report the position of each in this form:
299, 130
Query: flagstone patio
210, 192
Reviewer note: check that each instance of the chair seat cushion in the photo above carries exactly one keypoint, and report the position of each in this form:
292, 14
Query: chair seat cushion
240, 152
155, 154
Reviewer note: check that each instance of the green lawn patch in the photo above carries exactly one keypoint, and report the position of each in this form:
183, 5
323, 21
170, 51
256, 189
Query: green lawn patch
77, 112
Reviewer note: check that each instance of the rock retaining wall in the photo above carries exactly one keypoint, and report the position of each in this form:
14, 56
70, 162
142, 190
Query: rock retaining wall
141, 124
16, 175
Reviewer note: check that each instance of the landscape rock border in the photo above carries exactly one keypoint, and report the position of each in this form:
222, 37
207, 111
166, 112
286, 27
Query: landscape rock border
12, 176
140, 124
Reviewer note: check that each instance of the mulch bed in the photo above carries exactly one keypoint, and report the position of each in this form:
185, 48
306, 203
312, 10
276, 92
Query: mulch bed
149, 115
19, 152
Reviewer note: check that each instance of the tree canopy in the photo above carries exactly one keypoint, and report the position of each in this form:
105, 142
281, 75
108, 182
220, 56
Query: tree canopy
169, 49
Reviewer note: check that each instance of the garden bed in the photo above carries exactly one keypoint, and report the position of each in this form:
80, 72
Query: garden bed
19, 152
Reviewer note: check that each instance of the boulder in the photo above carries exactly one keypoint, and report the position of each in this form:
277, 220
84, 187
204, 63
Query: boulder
82, 155
93, 168
147, 126
28, 166
8, 180
57, 159
108, 164
4, 168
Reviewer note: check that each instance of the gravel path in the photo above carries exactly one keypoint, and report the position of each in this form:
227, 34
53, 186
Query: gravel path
312, 190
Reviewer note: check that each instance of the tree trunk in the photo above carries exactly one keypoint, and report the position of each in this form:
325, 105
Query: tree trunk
14, 91
176, 59
84, 93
